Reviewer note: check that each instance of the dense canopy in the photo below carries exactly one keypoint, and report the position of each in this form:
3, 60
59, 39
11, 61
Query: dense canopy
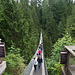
20, 26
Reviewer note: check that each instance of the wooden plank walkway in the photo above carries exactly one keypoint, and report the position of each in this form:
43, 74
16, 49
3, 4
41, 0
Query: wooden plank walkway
72, 69
38, 71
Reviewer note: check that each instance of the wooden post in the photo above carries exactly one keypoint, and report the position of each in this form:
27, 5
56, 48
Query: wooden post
1, 60
2, 54
67, 63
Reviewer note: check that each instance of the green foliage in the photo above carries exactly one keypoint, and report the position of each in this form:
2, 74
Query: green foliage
6, 73
54, 17
53, 67
1, 11
47, 43
72, 60
53, 63
70, 24
54, 14
14, 50
20, 28
15, 65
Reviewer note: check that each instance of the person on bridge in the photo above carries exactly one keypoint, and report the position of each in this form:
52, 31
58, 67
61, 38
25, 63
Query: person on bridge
37, 54
41, 46
39, 51
39, 61
35, 63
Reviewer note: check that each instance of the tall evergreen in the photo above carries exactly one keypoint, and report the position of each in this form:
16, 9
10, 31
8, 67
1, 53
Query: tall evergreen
70, 24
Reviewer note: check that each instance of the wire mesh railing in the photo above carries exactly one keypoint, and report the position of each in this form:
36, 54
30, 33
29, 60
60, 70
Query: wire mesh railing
46, 72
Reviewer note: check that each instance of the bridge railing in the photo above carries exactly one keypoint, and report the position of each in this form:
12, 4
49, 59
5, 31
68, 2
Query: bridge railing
46, 72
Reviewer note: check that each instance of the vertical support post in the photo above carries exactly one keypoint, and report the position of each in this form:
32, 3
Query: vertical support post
0, 58
67, 63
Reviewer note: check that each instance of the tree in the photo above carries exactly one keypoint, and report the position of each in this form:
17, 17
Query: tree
70, 24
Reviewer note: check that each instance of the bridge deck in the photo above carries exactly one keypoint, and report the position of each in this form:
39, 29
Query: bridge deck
72, 69
38, 71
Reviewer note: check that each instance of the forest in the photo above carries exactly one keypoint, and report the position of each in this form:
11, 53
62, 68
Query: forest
20, 26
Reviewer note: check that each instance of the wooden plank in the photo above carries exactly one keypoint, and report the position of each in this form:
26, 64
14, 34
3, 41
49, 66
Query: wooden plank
0, 60
70, 49
63, 71
72, 69
2, 67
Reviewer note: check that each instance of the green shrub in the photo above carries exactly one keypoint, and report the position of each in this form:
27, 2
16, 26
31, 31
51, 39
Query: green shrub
53, 63
15, 65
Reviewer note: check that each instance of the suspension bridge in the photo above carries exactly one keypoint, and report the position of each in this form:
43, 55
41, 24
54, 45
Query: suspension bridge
66, 56
29, 70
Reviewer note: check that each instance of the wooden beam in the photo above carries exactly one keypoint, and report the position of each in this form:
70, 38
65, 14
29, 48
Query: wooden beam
63, 71
70, 50
2, 67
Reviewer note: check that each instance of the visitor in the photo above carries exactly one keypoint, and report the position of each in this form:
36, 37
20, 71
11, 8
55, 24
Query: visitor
41, 47
39, 51
39, 61
37, 54
35, 63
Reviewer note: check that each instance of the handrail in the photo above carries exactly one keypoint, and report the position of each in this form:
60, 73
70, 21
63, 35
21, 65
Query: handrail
68, 69
46, 72
69, 48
